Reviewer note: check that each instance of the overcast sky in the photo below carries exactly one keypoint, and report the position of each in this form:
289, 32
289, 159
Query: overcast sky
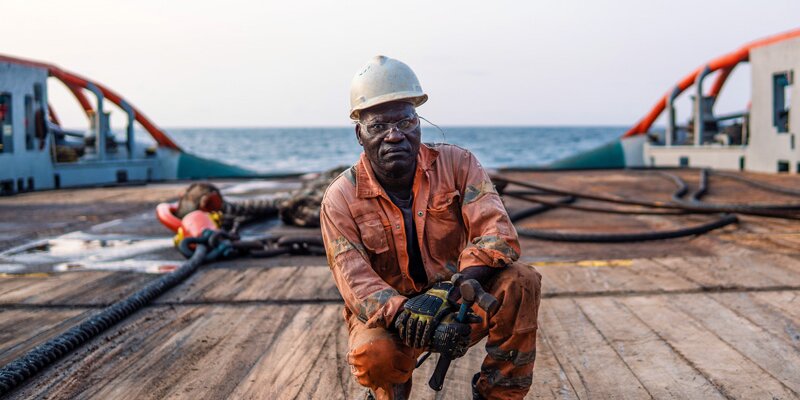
289, 63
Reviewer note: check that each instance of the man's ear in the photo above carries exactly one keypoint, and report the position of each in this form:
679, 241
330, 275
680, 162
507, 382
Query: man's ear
358, 134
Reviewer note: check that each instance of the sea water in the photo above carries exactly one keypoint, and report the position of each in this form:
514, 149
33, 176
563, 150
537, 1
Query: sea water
291, 150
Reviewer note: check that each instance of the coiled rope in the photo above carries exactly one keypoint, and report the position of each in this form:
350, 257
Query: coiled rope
255, 208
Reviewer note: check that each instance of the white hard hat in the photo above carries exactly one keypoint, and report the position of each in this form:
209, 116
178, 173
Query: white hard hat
382, 80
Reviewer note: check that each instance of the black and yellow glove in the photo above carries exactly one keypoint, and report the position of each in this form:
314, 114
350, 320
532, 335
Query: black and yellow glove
451, 338
418, 319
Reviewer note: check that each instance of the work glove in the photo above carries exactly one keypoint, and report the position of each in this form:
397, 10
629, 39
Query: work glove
419, 317
451, 338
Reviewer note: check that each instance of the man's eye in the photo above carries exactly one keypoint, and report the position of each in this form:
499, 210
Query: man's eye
404, 124
377, 127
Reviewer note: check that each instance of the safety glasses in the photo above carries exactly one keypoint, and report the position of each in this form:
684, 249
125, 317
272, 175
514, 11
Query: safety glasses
406, 125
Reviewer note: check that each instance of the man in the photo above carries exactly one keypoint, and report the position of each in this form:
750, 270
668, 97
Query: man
399, 224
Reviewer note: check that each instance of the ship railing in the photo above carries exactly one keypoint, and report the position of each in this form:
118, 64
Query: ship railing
725, 130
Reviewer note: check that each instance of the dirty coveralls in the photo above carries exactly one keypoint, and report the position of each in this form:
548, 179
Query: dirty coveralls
460, 222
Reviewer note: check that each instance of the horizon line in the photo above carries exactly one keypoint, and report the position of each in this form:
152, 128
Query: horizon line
424, 126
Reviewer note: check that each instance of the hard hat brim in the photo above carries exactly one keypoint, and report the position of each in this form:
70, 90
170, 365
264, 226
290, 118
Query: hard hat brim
415, 98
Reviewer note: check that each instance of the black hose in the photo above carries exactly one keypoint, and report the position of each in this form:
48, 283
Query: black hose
682, 189
756, 184
703, 190
553, 204
537, 209
563, 192
726, 219
698, 206
513, 193
674, 205
40, 357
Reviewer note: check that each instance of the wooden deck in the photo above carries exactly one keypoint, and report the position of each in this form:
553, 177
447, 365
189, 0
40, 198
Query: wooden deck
710, 316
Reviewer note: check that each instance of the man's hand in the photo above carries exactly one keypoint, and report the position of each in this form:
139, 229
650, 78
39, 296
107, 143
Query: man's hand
421, 314
451, 338
482, 274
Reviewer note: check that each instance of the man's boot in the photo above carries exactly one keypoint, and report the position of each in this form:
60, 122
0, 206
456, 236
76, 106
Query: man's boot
475, 394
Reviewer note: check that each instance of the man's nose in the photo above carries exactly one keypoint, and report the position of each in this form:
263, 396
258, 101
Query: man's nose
394, 135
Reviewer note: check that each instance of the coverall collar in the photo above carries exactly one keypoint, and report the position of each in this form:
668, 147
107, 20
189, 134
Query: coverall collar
368, 186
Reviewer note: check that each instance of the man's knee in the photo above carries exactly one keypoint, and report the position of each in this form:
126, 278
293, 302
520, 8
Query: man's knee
518, 287
381, 362
519, 283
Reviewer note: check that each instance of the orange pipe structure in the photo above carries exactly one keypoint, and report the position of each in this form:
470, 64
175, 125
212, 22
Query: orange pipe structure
75, 82
720, 81
81, 97
52, 113
726, 63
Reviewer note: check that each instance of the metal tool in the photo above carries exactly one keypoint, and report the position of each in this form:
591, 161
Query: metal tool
471, 293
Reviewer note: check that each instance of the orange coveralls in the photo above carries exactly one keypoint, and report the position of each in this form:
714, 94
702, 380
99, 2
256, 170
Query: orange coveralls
460, 222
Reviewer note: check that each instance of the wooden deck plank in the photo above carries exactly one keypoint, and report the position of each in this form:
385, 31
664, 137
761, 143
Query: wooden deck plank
592, 367
664, 373
790, 263
591, 279
288, 371
783, 241
28, 288
331, 377
776, 357
786, 301
72, 288
731, 372
307, 283
21, 329
206, 353
13, 282
194, 352
609, 276
741, 270
39, 214
549, 379
661, 278
458, 379
754, 308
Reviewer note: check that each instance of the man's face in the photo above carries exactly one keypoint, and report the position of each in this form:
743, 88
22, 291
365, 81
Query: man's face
393, 152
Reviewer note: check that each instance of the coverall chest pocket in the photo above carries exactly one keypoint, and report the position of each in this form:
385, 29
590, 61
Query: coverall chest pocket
444, 228
373, 234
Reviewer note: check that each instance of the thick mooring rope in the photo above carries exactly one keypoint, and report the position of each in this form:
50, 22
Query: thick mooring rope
29, 364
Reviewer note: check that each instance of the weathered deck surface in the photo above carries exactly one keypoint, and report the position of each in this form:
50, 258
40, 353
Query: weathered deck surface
714, 316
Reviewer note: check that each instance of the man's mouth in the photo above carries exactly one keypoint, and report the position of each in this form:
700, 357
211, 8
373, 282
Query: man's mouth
393, 150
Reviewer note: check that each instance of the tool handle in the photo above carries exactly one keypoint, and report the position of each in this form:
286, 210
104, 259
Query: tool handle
462, 312
437, 379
